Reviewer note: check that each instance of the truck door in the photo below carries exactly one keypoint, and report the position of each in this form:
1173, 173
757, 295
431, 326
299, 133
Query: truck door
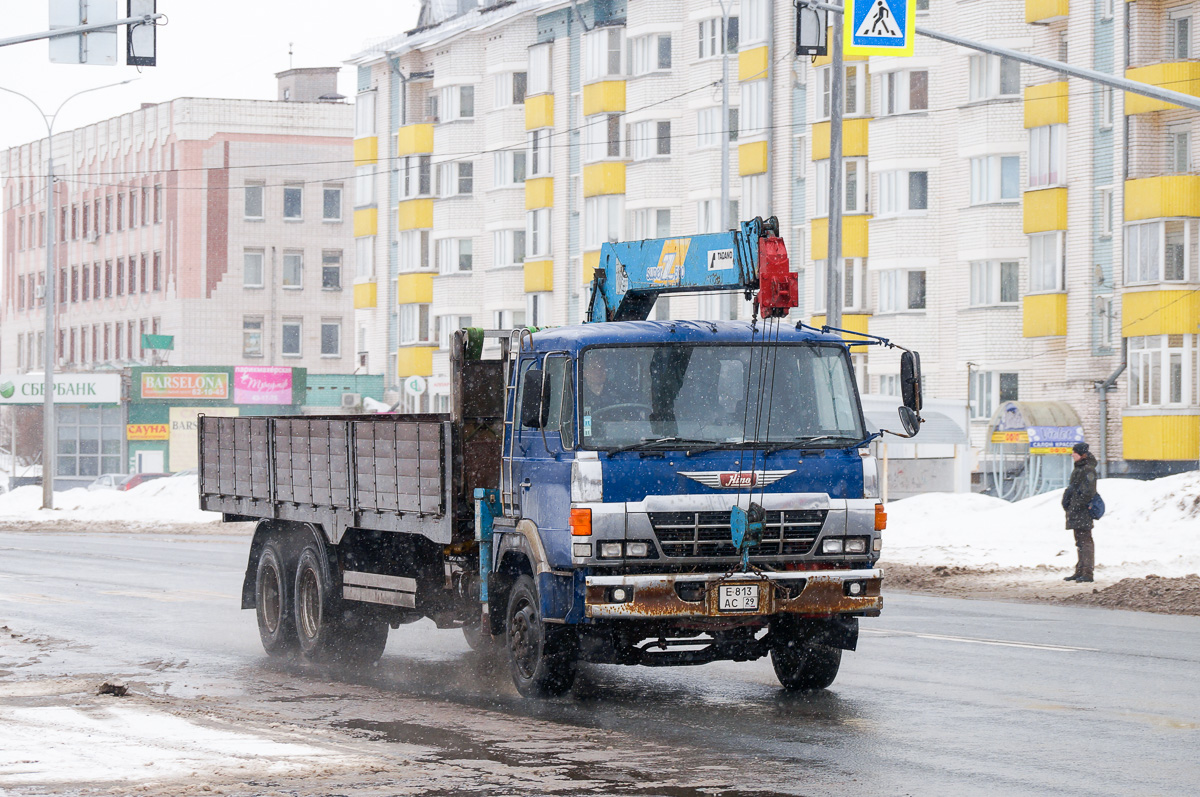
542, 457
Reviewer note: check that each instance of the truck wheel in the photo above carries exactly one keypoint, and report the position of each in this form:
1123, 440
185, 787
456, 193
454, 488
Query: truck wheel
330, 630
543, 658
272, 602
802, 665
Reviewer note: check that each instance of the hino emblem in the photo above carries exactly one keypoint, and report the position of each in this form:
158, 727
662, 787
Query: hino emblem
736, 480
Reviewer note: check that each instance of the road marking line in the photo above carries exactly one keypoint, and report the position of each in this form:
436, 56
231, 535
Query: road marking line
30, 597
179, 596
982, 641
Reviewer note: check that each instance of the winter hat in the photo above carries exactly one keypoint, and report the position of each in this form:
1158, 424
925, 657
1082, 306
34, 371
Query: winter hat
1080, 448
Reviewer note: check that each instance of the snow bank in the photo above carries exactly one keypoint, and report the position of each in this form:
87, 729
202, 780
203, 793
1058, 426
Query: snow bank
1150, 527
164, 501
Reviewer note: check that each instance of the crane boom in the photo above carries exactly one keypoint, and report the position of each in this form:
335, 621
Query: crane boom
633, 274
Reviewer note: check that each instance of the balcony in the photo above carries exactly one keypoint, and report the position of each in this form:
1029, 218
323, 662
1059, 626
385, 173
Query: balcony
1041, 12
1168, 196
1181, 76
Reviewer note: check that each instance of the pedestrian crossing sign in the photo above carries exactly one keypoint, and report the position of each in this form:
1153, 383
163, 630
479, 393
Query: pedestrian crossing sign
880, 27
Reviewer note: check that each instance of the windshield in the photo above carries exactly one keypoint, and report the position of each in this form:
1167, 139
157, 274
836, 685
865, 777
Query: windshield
640, 394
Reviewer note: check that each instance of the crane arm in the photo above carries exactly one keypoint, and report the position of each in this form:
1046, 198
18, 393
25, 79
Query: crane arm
633, 274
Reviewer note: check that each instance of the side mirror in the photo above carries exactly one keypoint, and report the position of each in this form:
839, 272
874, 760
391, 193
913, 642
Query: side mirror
535, 399
910, 420
910, 380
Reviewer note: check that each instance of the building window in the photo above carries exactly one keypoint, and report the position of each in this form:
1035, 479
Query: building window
1179, 34
156, 273
1163, 371
602, 218
903, 192
508, 247
994, 282
414, 323
252, 268
458, 102
364, 257
537, 224
413, 250
650, 54
537, 309
1106, 9
650, 223
364, 114
254, 201
854, 186
447, 325
1046, 262
754, 16
708, 214
991, 76
901, 290
904, 92
456, 179
602, 137
709, 128
755, 104
539, 69
1179, 150
252, 336
755, 199
331, 205
331, 270
538, 155
364, 185
1106, 107
293, 202
158, 205
989, 389
602, 53
291, 337
1047, 155
1161, 251
331, 338
293, 269
454, 255
510, 89
508, 168
416, 176
853, 269
715, 39
995, 178
854, 87
651, 139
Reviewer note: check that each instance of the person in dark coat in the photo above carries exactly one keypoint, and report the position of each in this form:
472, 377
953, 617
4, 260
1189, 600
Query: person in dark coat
1076, 501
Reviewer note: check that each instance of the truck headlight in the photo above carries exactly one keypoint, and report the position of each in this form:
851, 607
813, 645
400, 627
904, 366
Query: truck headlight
637, 549
582, 550
856, 545
610, 550
831, 545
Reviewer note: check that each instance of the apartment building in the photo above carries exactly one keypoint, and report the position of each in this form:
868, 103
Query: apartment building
988, 208
223, 225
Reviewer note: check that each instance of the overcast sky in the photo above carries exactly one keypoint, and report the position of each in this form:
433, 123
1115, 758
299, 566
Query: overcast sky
210, 48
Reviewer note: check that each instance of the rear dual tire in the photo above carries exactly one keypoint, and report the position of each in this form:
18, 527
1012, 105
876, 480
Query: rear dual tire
273, 602
330, 630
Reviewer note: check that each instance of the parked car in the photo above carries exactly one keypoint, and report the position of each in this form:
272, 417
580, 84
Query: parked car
124, 481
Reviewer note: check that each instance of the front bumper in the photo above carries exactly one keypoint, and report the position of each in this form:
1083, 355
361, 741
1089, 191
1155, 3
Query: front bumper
805, 593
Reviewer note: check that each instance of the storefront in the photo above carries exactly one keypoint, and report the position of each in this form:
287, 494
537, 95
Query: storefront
166, 401
89, 422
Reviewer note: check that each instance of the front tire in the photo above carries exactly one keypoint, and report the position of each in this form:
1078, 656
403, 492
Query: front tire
273, 602
801, 665
330, 630
543, 658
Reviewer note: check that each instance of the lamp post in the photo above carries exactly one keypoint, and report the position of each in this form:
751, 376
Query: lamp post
48, 294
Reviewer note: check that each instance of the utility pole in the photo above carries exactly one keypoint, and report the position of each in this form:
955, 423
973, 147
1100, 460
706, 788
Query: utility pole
833, 252
726, 223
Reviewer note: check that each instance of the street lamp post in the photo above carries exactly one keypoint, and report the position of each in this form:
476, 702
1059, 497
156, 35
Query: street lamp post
48, 295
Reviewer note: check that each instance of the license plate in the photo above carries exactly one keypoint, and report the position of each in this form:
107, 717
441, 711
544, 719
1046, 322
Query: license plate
737, 597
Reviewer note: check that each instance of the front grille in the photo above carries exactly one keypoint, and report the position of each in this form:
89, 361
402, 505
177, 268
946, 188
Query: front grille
790, 532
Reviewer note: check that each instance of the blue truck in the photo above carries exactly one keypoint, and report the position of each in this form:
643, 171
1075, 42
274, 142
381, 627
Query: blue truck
621, 491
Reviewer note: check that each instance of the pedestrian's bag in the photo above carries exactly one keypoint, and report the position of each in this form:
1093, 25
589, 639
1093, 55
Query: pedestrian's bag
1096, 507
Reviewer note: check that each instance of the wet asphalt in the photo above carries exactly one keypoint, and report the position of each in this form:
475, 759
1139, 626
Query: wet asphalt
944, 696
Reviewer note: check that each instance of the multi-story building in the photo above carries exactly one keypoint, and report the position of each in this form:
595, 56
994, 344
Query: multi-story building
221, 223
498, 147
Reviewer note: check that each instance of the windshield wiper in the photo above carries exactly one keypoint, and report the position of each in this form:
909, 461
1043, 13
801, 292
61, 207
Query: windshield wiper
648, 442
800, 442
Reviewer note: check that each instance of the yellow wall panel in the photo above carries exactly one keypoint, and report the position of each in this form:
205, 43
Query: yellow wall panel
415, 361
1046, 104
414, 140
855, 237
1045, 315
603, 178
1167, 437
854, 139
752, 64
1160, 313
591, 261
365, 295
539, 276
1045, 210
752, 158
539, 193
366, 151
366, 222
539, 111
607, 96
1160, 197
415, 214
414, 288
851, 322
1045, 10
1183, 76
